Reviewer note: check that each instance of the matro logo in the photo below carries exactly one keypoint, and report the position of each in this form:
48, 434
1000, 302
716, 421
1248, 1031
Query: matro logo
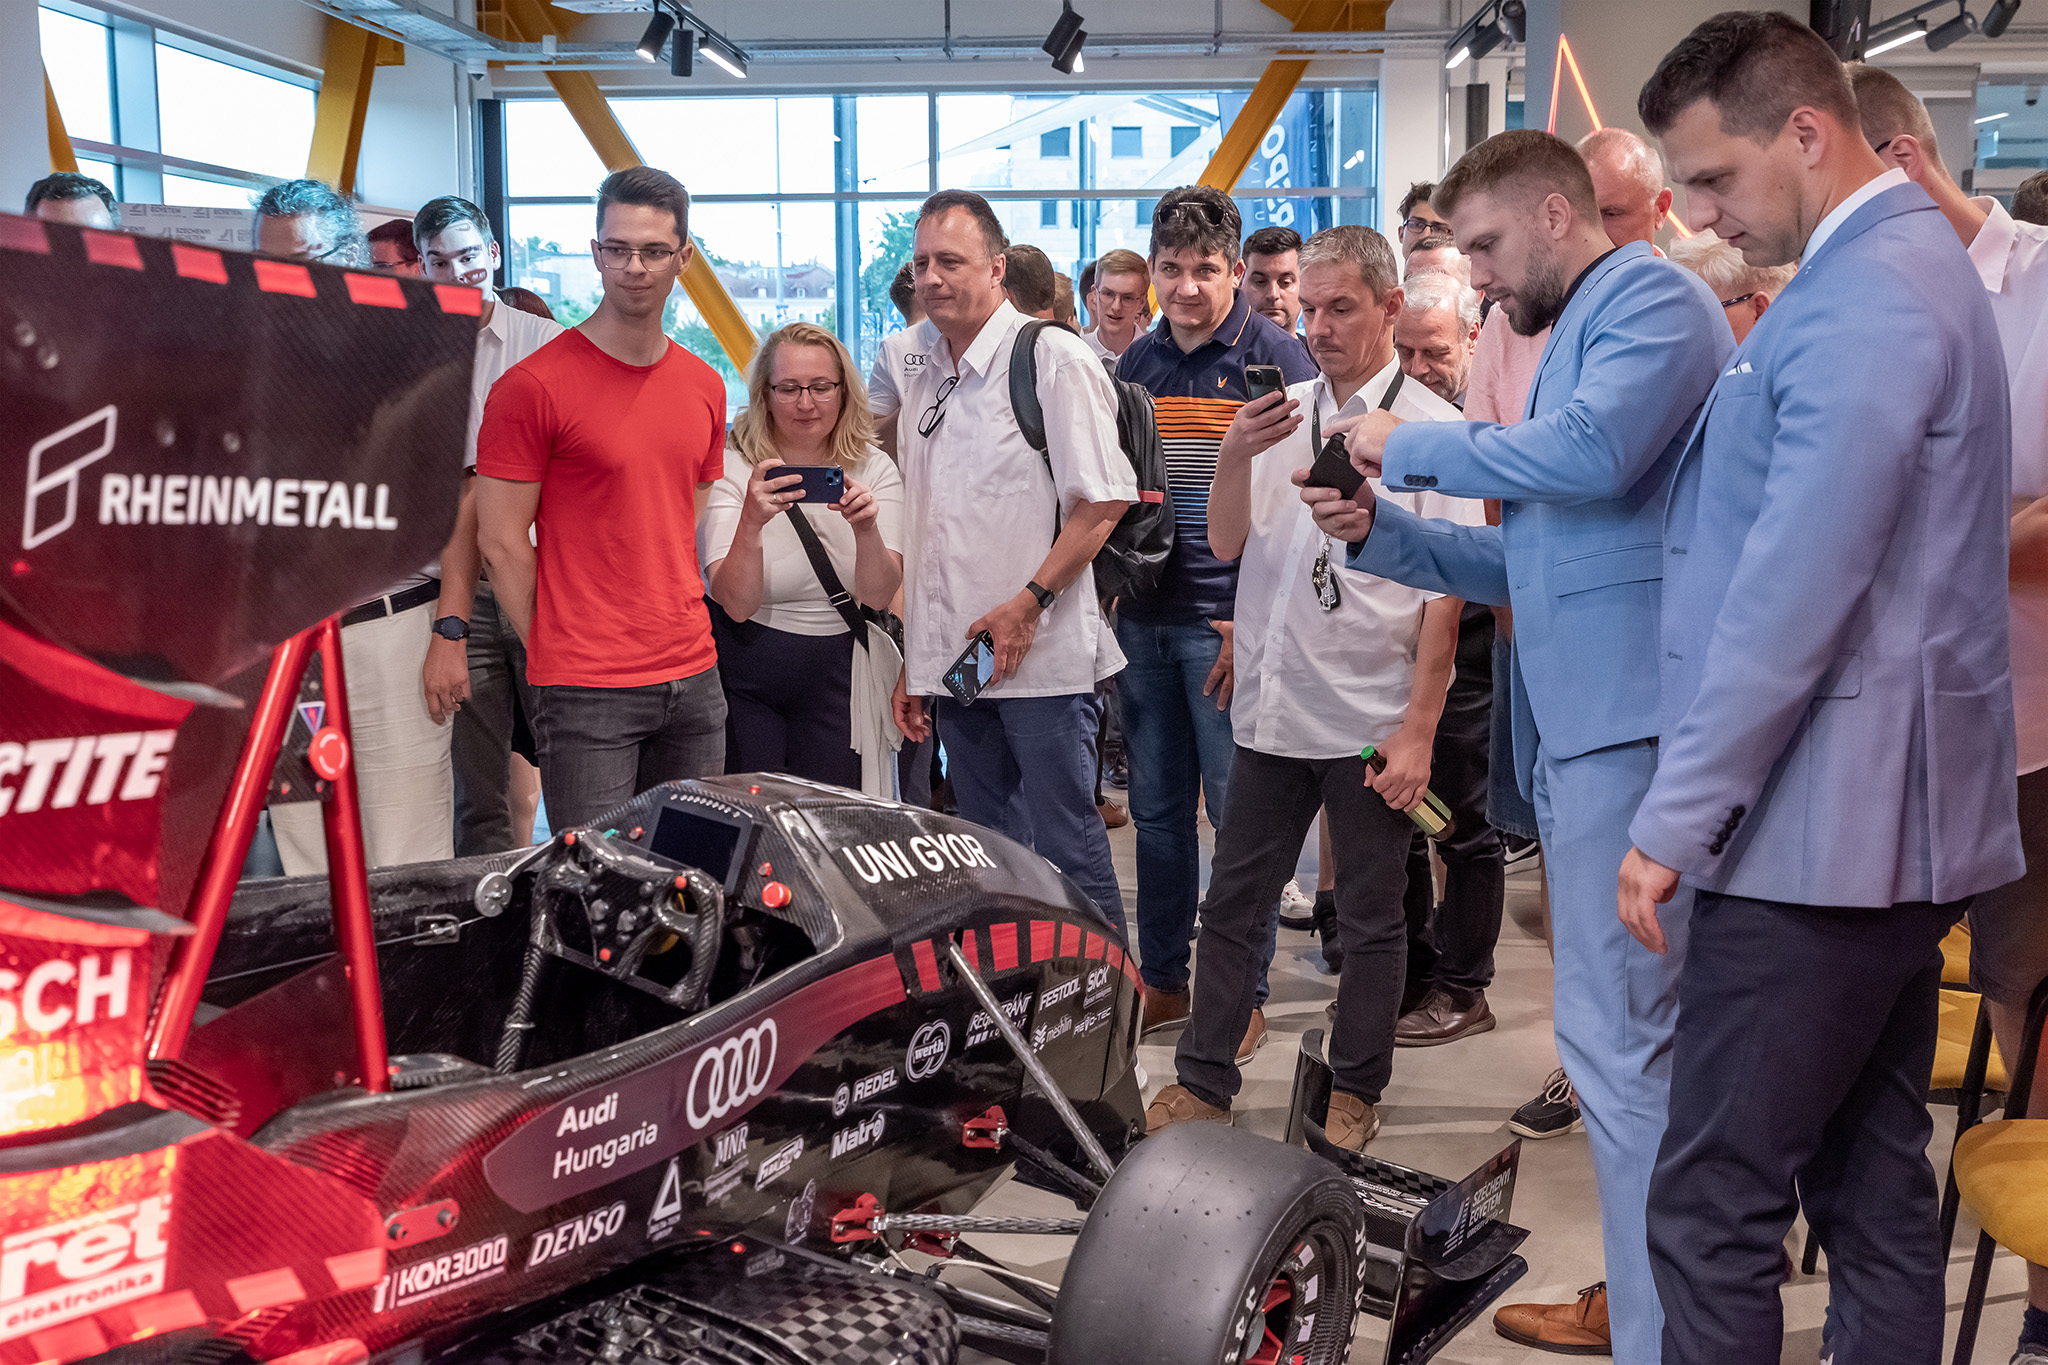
71, 1269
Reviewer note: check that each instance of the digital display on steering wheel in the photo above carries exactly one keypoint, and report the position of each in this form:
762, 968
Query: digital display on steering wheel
713, 842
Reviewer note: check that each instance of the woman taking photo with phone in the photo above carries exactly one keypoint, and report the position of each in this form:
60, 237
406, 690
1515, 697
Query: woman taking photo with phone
786, 653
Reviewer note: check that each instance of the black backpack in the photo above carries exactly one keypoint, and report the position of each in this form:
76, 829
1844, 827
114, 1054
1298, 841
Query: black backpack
1133, 557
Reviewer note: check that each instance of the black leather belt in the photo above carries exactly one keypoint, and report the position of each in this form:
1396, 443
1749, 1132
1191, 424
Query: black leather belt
397, 602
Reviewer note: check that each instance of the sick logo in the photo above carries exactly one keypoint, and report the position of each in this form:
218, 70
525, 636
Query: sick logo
928, 1049
730, 1145
731, 1074
80, 1266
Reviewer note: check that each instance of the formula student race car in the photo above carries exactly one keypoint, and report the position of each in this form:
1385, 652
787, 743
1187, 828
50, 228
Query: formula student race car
685, 1085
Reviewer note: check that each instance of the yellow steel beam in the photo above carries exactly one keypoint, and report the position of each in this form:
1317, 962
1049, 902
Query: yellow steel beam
1277, 84
62, 158
586, 104
350, 63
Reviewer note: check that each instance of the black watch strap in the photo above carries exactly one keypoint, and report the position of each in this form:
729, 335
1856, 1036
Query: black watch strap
459, 630
1044, 594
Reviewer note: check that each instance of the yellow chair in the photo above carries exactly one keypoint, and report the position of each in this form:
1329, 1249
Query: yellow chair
2001, 1170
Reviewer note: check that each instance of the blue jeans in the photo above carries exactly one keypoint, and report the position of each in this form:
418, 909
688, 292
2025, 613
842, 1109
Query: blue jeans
1178, 745
1025, 768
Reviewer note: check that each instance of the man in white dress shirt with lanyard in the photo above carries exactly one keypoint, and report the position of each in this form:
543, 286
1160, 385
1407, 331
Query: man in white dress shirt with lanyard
1329, 660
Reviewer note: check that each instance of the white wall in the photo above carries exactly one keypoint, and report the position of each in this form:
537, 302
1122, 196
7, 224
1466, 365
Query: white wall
1412, 143
24, 136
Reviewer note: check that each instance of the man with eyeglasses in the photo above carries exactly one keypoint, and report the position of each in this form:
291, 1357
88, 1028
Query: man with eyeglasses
1176, 691
603, 446
403, 777
1418, 219
1119, 302
475, 671
1744, 290
999, 538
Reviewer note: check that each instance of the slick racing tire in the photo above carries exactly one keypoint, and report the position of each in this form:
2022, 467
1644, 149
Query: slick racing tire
1212, 1246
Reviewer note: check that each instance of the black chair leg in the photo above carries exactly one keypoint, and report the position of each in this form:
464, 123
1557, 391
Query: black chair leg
1973, 1302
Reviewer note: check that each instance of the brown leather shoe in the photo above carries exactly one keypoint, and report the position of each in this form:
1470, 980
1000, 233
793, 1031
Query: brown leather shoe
1254, 1038
1164, 1009
1351, 1122
1113, 815
1566, 1329
1440, 1019
1178, 1104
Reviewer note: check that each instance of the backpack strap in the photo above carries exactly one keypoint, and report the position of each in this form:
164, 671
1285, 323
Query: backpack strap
828, 577
1024, 403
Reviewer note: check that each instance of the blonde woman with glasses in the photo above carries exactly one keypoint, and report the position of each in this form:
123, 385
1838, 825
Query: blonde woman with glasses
786, 652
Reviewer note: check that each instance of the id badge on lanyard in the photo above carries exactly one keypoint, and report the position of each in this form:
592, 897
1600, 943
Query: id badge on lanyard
1321, 577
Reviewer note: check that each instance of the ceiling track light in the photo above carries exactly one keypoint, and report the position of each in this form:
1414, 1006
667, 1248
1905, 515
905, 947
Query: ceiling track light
658, 26
1514, 17
1485, 39
1949, 34
1065, 41
723, 55
682, 54
1998, 18
1495, 23
1913, 31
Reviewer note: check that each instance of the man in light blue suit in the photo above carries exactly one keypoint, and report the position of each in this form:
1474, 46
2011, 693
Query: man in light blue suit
1836, 779
1636, 344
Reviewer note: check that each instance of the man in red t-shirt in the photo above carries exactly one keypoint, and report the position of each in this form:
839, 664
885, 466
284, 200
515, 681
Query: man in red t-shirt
593, 460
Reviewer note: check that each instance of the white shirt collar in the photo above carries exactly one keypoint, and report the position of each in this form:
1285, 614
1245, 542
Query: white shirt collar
1856, 200
981, 352
1369, 393
1992, 248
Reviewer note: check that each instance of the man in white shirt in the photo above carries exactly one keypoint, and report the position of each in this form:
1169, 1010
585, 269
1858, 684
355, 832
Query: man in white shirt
902, 352
475, 663
2008, 926
1328, 660
1119, 302
999, 539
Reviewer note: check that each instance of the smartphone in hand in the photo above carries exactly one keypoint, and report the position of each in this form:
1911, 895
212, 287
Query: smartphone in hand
1260, 380
1333, 469
821, 482
973, 670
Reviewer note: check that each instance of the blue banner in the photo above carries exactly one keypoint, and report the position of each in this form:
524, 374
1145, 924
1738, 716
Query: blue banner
1283, 160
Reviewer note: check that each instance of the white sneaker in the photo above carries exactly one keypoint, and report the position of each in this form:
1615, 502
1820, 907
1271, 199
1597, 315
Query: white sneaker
1297, 909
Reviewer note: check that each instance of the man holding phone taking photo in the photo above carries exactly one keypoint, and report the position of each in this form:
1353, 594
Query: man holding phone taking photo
981, 554
1328, 661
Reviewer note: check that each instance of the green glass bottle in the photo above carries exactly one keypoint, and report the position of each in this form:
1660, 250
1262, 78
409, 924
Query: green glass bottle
1432, 817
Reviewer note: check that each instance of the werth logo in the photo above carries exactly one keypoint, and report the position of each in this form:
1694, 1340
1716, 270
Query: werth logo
64, 478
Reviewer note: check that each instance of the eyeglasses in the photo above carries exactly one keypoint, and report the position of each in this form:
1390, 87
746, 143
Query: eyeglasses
1879, 148
819, 391
618, 257
1423, 225
936, 413
1739, 298
1199, 208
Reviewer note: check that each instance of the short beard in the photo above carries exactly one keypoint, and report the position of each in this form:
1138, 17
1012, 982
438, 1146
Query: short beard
1541, 297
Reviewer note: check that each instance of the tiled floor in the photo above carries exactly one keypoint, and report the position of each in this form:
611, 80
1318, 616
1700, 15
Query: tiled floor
1445, 1112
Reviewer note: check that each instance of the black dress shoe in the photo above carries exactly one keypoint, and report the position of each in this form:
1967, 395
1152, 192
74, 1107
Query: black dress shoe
1441, 1019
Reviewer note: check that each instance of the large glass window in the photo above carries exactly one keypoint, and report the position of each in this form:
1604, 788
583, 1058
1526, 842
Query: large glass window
805, 205
169, 119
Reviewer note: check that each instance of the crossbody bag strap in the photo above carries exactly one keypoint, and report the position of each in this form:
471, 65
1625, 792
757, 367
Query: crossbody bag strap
828, 577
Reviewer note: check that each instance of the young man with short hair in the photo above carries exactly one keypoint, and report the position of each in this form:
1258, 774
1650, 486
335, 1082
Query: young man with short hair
1117, 302
1272, 275
475, 669
997, 542
392, 248
1028, 280
603, 444
1175, 691
1328, 660
1418, 219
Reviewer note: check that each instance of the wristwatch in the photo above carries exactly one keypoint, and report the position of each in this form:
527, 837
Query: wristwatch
1043, 594
452, 628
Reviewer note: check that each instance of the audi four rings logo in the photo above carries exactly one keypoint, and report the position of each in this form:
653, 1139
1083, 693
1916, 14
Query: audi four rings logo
729, 1075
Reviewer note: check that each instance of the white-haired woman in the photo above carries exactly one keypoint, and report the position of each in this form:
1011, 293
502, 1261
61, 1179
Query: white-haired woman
785, 653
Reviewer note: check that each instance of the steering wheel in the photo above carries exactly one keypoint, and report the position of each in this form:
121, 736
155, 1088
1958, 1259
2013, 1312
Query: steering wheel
631, 912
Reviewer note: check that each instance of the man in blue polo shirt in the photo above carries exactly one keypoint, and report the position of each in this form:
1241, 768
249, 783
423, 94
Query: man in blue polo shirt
1175, 689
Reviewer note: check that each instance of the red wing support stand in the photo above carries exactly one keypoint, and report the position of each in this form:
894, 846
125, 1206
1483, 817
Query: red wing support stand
347, 870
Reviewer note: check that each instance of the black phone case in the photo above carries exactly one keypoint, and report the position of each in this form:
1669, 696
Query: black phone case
963, 680
1254, 391
1333, 469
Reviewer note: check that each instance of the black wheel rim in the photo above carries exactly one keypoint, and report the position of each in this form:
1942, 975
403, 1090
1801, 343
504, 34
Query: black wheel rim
1301, 1316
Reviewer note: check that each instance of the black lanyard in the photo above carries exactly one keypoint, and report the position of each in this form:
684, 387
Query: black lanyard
1315, 414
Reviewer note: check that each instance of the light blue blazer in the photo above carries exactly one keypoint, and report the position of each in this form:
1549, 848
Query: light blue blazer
1582, 480
1837, 701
